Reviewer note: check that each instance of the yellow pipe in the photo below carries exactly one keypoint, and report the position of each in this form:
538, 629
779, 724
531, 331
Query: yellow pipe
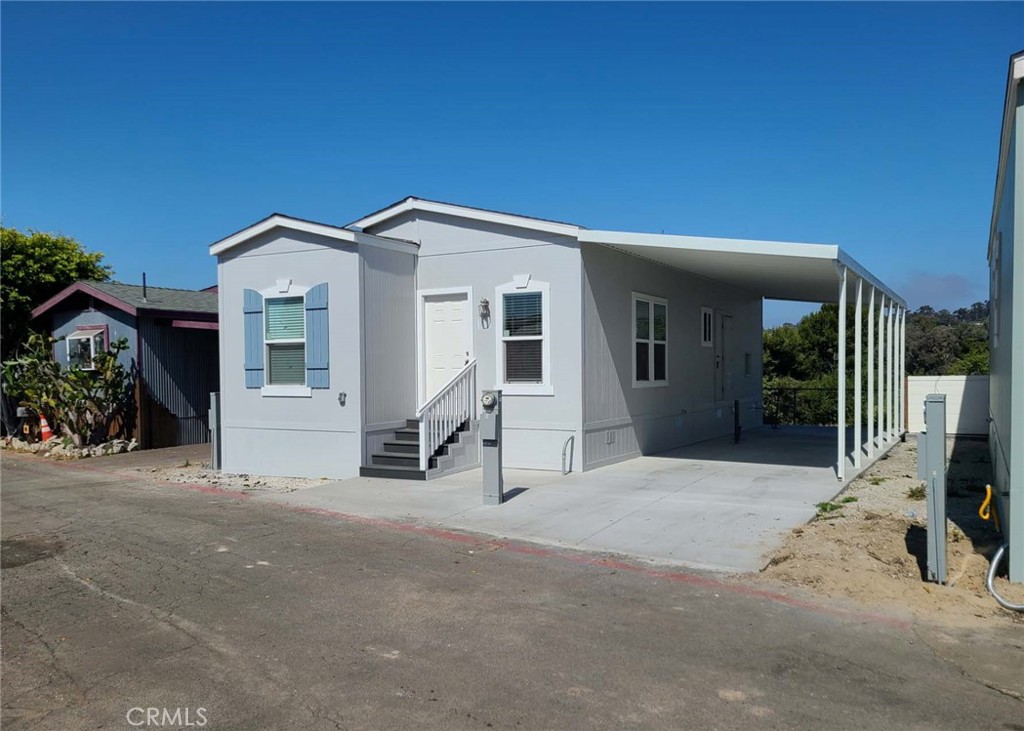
985, 511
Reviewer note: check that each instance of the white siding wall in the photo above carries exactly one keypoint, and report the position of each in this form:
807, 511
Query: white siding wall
456, 252
622, 421
966, 402
1006, 402
389, 338
304, 437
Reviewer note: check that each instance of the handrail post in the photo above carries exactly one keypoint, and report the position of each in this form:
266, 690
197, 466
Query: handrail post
423, 444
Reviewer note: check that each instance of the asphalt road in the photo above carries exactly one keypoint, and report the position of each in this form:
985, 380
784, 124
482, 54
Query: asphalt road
121, 594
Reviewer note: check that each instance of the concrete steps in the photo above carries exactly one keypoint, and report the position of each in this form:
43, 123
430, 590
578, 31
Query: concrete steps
399, 458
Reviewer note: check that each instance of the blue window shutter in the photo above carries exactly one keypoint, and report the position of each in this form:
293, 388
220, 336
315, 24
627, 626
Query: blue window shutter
318, 374
252, 309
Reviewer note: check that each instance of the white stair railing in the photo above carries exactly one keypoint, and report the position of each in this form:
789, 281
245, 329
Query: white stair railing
446, 410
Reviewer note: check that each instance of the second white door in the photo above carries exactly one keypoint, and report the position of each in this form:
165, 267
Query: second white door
447, 339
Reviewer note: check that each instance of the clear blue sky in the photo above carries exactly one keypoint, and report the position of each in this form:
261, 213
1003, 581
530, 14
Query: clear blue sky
150, 130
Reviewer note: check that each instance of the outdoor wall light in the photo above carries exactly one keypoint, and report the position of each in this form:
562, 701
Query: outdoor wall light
341, 398
485, 312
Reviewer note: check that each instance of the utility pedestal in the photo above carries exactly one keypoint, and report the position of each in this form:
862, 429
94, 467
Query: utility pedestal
931, 467
490, 438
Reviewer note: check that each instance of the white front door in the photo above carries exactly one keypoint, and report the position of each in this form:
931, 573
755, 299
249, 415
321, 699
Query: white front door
446, 335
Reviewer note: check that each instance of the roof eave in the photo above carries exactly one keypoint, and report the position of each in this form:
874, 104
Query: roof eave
278, 220
85, 288
1014, 76
822, 252
477, 214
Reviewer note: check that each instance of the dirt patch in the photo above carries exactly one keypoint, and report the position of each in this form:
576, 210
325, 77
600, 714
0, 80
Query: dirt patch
19, 552
868, 543
202, 474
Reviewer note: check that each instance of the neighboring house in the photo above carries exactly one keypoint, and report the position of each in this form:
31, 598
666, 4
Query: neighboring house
364, 348
1006, 322
172, 346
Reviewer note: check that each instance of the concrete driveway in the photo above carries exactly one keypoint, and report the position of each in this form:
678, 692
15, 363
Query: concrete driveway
715, 505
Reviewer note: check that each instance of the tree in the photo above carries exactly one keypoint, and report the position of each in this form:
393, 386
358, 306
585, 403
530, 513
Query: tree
34, 266
800, 374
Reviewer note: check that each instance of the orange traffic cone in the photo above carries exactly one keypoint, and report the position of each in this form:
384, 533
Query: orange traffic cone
44, 429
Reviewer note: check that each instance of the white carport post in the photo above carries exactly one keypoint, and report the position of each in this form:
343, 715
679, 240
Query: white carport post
858, 445
841, 388
871, 375
892, 370
903, 372
881, 371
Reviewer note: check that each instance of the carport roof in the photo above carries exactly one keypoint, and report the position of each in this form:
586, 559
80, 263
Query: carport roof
773, 269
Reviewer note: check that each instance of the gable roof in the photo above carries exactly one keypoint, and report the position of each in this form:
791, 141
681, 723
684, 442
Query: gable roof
129, 298
412, 203
280, 220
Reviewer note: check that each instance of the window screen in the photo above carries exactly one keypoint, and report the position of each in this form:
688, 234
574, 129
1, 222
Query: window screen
650, 336
523, 315
286, 319
523, 331
285, 338
523, 361
287, 363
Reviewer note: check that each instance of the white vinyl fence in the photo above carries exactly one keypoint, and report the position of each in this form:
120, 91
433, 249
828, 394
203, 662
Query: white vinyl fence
966, 402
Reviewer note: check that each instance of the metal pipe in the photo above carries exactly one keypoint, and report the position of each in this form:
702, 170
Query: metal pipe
990, 582
570, 440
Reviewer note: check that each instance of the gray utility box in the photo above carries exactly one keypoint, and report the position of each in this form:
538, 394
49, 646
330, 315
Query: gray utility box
931, 467
490, 439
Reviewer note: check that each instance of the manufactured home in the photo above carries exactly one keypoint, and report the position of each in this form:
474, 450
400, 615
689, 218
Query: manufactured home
172, 349
1006, 322
363, 349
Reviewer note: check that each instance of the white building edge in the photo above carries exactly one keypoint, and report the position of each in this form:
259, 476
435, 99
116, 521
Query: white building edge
1006, 322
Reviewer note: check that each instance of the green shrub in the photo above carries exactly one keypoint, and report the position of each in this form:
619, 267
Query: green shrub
89, 406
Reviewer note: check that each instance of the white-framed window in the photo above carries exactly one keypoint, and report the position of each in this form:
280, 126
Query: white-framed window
996, 273
83, 346
650, 340
285, 341
707, 327
524, 343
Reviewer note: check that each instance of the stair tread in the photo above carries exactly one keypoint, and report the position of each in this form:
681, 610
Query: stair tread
392, 472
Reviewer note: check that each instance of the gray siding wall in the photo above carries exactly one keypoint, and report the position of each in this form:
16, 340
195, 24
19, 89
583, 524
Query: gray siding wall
389, 339
621, 421
1006, 400
179, 367
456, 252
306, 437
120, 324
